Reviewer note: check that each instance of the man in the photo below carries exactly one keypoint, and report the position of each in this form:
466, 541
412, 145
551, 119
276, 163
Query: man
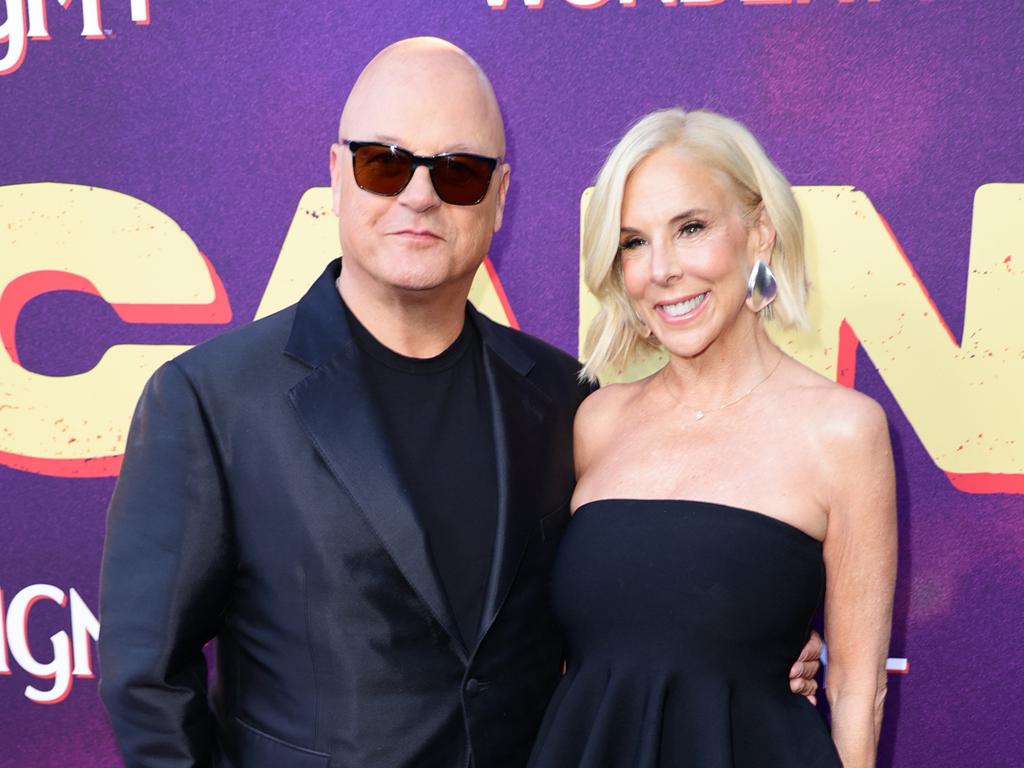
360, 496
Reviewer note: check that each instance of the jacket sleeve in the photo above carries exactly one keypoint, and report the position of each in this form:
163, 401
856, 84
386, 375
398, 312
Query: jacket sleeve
167, 565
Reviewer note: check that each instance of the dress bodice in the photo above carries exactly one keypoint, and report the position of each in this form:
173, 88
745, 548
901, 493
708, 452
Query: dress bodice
682, 620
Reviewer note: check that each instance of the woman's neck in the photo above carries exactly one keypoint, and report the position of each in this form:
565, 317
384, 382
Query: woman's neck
727, 370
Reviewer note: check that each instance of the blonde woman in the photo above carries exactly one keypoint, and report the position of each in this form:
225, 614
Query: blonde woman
721, 499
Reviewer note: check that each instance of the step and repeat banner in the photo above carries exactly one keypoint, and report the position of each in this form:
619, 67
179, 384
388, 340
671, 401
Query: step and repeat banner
163, 177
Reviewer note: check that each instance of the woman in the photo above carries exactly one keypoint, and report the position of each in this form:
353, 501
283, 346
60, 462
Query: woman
715, 496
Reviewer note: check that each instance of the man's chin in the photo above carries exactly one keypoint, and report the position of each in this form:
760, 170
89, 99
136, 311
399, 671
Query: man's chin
428, 282
407, 274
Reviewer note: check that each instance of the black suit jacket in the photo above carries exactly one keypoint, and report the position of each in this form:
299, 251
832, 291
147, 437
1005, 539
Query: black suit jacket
258, 504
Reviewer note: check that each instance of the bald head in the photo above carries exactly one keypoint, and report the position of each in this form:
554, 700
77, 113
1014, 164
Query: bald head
429, 82
412, 248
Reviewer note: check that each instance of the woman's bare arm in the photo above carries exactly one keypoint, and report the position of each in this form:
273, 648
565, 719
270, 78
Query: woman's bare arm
860, 561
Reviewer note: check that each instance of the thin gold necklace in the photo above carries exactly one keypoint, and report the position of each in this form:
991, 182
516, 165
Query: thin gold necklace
700, 413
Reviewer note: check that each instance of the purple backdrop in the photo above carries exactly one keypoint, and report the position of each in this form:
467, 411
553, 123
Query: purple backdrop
221, 115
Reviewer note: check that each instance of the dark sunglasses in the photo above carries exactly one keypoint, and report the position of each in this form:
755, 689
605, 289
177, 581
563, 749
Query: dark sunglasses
459, 178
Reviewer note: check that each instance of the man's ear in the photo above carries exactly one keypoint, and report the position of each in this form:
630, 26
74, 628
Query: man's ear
336, 178
505, 171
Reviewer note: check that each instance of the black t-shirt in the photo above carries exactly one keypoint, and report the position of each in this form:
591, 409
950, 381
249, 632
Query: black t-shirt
437, 417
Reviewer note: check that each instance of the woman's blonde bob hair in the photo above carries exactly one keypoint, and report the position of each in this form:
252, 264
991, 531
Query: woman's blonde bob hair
616, 334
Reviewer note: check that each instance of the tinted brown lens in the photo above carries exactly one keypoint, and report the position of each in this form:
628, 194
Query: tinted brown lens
381, 170
461, 179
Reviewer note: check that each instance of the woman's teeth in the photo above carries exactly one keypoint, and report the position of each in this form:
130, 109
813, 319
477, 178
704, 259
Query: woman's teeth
684, 307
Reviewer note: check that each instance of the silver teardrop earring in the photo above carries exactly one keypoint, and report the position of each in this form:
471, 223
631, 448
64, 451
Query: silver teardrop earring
762, 288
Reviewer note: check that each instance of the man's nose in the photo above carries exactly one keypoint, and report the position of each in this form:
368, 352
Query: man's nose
419, 194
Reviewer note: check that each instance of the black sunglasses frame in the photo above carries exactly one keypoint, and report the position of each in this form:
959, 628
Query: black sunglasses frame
429, 162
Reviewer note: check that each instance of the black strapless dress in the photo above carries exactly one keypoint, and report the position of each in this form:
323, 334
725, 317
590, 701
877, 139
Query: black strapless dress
681, 622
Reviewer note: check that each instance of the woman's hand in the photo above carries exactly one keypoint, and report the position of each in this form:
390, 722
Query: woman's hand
805, 669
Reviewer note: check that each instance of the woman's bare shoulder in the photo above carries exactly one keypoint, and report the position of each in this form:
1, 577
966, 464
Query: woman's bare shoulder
611, 400
848, 430
603, 411
838, 412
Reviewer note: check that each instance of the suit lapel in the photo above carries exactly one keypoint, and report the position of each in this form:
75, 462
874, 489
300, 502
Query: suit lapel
344, 425
521, 415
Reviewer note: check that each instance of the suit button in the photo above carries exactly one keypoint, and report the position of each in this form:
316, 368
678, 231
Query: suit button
473, 686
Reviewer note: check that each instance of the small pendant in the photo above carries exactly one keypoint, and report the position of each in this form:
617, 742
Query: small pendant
698, 415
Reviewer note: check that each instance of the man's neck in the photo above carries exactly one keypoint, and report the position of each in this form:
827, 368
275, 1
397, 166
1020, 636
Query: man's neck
418, 324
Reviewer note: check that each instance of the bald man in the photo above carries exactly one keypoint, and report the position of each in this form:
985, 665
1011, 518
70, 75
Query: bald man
360, 496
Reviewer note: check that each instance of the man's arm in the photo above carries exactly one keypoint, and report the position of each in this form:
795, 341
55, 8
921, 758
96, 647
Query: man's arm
167, 562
